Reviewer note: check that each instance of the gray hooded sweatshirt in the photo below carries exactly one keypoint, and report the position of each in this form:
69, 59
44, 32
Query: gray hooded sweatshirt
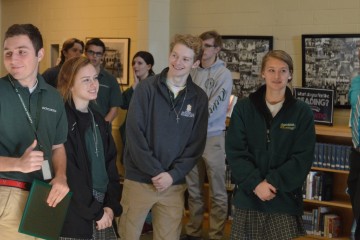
217, 82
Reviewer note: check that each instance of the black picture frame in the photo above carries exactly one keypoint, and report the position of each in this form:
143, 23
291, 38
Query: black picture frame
330, 61
243, 56
116, 58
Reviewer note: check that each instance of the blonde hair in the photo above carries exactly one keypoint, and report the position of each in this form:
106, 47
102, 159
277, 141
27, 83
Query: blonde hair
280, 55
189, 41
67, 74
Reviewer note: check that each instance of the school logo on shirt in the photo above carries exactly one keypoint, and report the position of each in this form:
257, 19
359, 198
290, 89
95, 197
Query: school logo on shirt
209, 83
49, 109
188, 112
288, 126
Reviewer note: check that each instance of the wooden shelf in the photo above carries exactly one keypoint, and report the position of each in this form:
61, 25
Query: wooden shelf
341, 205
335, 203
333, 131
329, 170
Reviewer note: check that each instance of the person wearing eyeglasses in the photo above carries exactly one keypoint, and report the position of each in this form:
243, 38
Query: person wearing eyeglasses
109, 97
215, 79
72, 47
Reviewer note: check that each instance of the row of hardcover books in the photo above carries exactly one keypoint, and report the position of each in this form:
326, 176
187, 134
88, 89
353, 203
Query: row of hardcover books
318, 186
332, 156
322, 222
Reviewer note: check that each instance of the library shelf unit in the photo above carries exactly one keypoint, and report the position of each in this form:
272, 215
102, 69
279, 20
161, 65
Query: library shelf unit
340, 203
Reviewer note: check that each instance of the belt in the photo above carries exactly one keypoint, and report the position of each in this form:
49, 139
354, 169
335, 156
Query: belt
13, 183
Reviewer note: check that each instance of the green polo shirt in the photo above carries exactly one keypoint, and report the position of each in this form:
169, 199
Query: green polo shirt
16, 133
109, 94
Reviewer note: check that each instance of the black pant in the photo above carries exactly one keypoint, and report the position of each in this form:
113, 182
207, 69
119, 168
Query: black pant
354, 188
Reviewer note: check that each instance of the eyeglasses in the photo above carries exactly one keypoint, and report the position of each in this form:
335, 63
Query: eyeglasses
94, 54
208, 45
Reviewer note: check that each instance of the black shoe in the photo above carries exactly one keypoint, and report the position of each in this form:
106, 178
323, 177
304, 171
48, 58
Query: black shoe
188, 237
147, 228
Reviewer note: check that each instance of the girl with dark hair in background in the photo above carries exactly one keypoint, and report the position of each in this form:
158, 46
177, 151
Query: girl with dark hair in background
72, 47
142, 64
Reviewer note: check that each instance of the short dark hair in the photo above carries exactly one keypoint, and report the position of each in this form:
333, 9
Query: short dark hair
29, 30
96, 42
67, 45
147, 57
212, 34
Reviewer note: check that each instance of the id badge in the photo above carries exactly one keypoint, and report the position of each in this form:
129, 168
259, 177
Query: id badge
45, 168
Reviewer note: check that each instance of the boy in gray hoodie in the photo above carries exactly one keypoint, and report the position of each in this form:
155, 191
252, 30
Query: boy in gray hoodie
216, 80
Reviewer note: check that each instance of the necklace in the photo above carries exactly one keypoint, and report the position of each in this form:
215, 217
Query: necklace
94, 133
173, 105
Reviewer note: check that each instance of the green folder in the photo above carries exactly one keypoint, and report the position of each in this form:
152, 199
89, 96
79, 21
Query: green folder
39, 219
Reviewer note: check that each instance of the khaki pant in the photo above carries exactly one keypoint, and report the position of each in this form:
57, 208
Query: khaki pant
212, 164
12, 204
167, 208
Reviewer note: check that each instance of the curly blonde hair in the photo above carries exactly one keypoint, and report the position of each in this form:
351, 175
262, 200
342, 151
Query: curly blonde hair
191, 42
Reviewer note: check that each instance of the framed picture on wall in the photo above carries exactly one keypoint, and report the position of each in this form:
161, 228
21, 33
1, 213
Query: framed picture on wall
243, 56
330, 61
116, 58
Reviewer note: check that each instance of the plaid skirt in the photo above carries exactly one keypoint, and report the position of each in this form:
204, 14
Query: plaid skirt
254, 225
104, 234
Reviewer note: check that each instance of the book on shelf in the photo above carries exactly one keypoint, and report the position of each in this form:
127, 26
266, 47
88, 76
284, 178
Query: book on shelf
347, 164
318, 186
338, 157
332, 156
309, 193
231, 209
307, 218
228, 178
321, 221
332, 226
232, 102
353, 228
322, 211
230, 187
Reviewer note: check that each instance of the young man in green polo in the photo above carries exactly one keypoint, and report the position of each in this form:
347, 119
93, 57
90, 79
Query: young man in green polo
33, 129
109, 96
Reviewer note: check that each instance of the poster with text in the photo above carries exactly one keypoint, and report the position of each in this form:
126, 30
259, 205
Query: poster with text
321, 101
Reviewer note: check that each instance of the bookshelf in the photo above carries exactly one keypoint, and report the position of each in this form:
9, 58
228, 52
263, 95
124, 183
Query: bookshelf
340, 203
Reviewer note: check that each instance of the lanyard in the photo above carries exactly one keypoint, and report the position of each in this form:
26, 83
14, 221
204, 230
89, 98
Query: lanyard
33, 125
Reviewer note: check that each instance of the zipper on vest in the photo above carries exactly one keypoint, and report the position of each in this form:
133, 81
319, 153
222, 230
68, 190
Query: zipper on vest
267, 137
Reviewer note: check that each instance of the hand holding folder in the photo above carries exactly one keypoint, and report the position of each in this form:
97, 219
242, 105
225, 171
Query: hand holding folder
39, 219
